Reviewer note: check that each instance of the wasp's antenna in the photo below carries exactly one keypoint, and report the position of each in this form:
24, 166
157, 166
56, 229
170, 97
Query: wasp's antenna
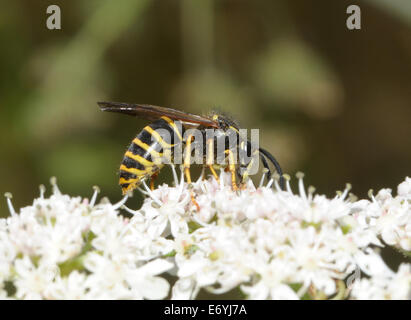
270, 157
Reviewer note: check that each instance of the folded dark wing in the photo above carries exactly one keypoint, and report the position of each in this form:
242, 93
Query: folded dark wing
150, 112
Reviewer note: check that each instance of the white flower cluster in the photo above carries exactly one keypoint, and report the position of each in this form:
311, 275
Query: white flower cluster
265, 242
69, 248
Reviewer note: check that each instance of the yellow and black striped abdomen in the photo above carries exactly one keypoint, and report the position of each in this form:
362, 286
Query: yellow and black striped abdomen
143, 157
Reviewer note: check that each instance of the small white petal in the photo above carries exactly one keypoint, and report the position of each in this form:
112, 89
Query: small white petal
156, 267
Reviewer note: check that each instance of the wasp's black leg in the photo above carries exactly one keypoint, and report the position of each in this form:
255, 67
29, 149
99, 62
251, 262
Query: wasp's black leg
266, 166
276, 165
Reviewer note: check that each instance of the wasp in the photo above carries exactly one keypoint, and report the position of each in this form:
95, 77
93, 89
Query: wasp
141, 160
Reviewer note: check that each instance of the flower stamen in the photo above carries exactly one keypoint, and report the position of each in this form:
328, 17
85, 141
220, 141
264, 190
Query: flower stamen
371, 195
265, 170
121, 202
8, 196
53, 182
151, 193
276, 177
287, 182
301, 189
42, 191
311, 190
94, 197
133, 212
173, 170
270, 183
346, 190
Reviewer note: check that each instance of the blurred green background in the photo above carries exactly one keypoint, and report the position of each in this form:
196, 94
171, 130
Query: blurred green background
333, 103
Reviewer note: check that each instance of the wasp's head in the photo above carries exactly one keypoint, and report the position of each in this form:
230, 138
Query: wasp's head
224, 121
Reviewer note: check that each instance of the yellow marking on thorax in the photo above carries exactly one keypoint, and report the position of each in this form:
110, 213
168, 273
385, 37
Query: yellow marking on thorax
174, 126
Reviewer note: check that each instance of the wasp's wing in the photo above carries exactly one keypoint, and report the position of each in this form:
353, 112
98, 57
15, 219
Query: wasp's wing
154, 112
